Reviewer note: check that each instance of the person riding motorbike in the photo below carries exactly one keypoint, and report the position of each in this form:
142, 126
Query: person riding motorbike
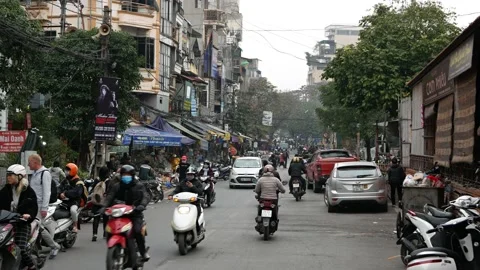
146, 172
267, 187
206, 169
182, 168
296, 169
17, 196
273, 160
190, 184
275, 173
72, 191
134, 193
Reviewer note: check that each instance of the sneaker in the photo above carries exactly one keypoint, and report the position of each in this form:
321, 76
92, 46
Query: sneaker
94, 238
146, 257
53, 253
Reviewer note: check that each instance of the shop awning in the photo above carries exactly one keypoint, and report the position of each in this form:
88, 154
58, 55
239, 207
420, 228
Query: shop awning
194, 79
206, 128
203, 142
226, 134
161, 125
150, 137
246, 137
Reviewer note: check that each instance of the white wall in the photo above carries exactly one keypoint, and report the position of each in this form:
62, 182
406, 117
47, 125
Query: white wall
418, 147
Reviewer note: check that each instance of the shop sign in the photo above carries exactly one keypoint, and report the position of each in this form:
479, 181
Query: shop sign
12, 141
435, 84
461, 59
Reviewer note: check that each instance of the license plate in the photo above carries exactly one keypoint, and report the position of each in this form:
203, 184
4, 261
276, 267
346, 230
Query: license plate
296, 185
267, 213
159, 188
245, 179
357, 188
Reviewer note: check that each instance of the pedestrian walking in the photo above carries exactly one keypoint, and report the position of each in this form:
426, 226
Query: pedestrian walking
396, 175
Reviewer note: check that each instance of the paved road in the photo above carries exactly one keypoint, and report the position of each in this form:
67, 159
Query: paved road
308, 238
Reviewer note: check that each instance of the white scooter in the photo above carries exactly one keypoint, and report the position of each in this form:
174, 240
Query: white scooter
59, 221
184, 223
465, 256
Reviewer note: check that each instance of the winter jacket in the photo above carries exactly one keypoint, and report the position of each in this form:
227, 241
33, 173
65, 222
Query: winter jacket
27, 203
42, 187
196, 188
72, 191
396, 174
268, 185
182, 170
133, 194
297, 168
275, 173
202, 172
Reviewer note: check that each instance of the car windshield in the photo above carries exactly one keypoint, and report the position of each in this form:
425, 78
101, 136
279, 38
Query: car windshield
356, 171
247, 163
334, 154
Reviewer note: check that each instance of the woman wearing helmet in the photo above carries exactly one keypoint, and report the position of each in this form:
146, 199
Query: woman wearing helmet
268, 185
134, 193
73, 192
18, 197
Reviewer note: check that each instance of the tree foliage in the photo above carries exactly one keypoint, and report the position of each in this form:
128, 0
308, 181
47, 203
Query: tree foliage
397, 41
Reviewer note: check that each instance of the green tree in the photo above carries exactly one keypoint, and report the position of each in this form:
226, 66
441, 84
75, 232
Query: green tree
71, 82
19, 54
397, 41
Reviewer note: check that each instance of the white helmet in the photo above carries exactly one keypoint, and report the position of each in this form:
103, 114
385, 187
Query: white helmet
17, 169
190, 170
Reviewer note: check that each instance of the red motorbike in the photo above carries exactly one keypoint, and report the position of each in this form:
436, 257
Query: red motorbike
122, 247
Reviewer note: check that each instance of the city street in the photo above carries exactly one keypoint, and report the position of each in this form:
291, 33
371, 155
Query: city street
308, 238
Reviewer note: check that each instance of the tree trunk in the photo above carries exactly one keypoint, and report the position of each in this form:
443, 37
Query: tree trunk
84, 155
368, 146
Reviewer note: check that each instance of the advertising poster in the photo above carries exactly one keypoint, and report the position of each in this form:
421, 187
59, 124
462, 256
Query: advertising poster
107, 109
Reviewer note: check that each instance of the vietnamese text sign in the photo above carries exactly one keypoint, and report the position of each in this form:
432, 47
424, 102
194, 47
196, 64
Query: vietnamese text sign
12, 141
107, 109
461, 59
267, 118
436, 84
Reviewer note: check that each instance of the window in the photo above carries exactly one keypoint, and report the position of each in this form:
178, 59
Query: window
166, 16
430, 126
334, 154
146, 48
247, 163
356, 172
50, 35
343, 32
165, 56
197, 3
202, 98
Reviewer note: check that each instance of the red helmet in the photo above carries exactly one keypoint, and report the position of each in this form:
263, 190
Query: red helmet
184, 158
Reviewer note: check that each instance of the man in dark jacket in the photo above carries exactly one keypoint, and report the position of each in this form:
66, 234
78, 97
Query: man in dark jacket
296, 169
132, 192
182, 168
396, 175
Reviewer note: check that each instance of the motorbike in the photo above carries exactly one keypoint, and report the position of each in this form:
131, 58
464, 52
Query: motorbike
209, 193
89, 184
224, 172
59, 221
154, 189
122, 247
10, 256
297, 190
461, 254
187, 233
267, 222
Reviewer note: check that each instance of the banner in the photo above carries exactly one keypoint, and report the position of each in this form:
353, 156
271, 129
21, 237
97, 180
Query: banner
267, 118
12, 141
107, 109
193, 102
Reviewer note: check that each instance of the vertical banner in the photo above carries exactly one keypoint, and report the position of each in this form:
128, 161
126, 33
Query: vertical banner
107, 109
267, 118
193, 102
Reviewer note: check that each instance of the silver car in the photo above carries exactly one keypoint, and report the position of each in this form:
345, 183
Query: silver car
356, 182
245, 172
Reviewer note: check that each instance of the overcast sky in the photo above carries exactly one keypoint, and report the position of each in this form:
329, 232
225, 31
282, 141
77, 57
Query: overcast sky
289, 72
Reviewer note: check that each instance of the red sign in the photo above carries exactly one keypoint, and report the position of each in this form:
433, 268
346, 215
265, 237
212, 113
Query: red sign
12, 141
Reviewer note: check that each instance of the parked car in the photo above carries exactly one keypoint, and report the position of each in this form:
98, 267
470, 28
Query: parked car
321, 164
244, 172
356, 182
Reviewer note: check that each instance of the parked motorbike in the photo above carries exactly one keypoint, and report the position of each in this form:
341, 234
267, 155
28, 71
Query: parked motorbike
297, 190
187, 232
267, 222
10, 256
209, 193
154, 189
462, 254
224, 172
59, 221
121, 244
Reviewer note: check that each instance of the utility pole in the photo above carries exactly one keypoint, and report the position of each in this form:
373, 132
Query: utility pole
63, 15
376, 141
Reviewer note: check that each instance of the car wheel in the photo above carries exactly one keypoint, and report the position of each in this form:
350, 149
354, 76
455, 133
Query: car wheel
231, 187
309, 186
331, 209
316, 188
384, 208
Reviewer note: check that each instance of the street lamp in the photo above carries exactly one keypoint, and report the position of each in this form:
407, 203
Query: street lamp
44, 143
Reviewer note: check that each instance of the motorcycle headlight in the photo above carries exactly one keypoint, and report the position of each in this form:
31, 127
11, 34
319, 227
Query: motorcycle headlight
184, 210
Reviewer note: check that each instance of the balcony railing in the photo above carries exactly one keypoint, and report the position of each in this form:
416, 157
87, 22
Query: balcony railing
214, 17
137, 7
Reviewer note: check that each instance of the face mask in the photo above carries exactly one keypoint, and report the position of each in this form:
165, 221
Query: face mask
127, 179
190, 177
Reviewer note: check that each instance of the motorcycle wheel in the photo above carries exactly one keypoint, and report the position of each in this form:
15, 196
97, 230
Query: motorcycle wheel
38, 258
297, 198
114, 260
161, 195
416, 240
266, 233
68, 243
182, 244
156, 196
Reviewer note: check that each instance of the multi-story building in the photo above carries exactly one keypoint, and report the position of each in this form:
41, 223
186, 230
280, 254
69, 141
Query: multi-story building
250, 71
338, 36
142, 21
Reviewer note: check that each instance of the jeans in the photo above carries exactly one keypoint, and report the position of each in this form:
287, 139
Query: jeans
96, 220
74, 212
48, 232
138, 223
302, 182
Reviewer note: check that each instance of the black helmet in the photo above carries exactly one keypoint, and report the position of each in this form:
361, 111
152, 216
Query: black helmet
129, 169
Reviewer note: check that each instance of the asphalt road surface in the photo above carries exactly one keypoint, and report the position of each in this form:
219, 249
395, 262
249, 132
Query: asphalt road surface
308, 238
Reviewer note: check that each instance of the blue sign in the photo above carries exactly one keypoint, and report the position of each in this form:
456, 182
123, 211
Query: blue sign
150, 137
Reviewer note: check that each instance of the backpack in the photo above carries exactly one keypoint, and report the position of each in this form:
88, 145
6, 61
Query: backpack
98, 193
84, 197
53, 189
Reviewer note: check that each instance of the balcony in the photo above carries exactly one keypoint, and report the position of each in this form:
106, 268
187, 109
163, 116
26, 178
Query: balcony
136, 15
37, 10
214, 17
147, 84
